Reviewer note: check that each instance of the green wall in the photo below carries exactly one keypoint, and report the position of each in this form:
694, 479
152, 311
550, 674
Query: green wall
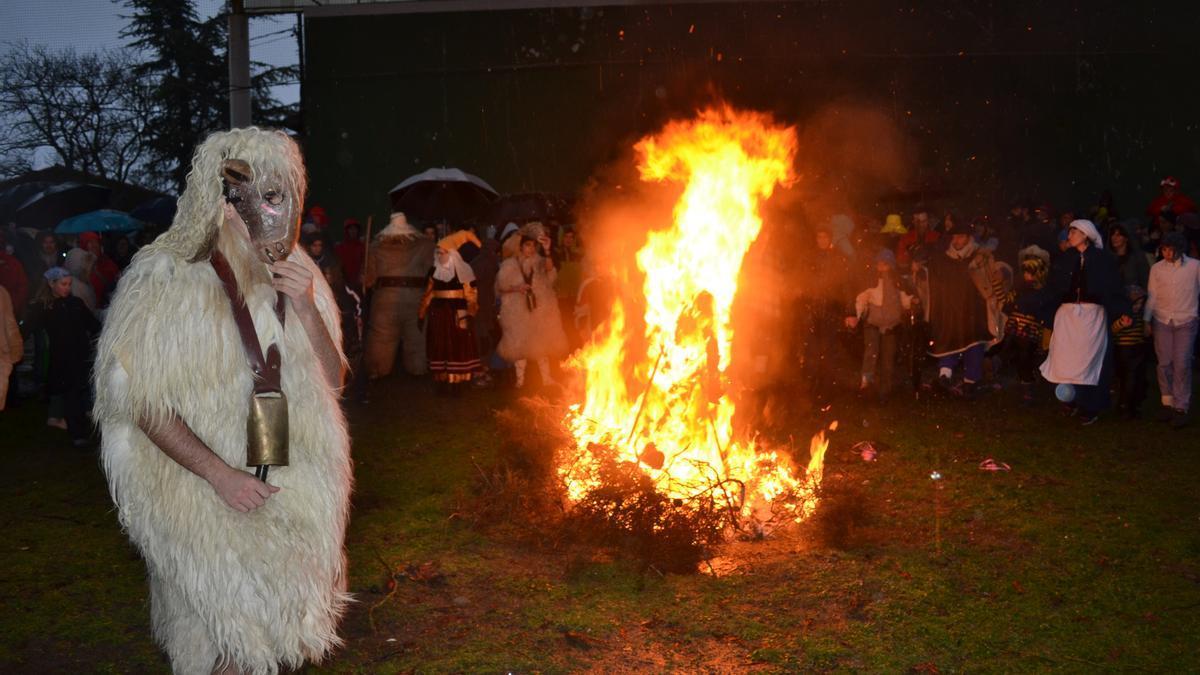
1001, 99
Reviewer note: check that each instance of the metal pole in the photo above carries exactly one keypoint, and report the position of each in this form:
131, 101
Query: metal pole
301, 126
239, 66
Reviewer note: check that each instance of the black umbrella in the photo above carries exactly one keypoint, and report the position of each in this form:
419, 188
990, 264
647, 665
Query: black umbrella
59, 202
526, 206
442, 195
157, 211
13, 196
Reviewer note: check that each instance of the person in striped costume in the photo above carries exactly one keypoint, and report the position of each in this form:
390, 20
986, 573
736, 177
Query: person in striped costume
1131, 356
1023, 328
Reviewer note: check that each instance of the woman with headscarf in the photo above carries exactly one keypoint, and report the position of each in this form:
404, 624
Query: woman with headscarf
71, 328
449, 304
1085, 295
531, 327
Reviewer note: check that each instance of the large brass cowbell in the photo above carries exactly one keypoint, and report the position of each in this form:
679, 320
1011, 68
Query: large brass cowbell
267, 421
267, 430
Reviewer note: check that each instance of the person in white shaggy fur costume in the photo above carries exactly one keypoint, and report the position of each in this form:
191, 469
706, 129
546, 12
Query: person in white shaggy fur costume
530, 323
245, 576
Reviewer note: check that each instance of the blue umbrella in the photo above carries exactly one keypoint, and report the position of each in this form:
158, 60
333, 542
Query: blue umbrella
104, 220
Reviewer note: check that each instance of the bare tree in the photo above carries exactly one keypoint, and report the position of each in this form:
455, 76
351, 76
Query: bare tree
92, 109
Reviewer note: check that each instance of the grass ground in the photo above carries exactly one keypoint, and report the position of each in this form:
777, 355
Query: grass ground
1084, 557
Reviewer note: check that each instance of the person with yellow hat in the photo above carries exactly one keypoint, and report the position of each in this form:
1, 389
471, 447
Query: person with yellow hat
893, 225
448, 307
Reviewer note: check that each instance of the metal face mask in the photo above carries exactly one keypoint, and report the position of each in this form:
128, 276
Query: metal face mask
270, 211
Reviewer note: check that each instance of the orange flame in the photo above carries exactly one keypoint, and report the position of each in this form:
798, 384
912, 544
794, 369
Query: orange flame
674, 416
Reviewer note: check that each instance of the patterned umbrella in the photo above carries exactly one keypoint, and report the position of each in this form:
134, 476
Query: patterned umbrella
59, 202
13, 196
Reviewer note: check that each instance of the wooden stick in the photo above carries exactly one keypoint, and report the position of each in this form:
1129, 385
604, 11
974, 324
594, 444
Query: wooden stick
645, 394
367, 254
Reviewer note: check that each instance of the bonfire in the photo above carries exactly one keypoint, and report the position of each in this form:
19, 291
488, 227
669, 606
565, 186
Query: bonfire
667, 409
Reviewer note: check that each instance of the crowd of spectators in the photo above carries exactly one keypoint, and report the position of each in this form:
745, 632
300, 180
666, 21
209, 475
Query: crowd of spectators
1080, 304
57, 290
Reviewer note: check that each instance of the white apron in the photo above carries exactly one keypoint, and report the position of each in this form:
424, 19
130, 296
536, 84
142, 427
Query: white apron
1077, 344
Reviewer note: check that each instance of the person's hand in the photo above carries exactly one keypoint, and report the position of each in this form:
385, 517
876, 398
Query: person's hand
295, 281
851, 322
1125, 321
544, 241
242, 491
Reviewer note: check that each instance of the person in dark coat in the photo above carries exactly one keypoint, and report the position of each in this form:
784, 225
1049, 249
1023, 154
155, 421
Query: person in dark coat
486, 265
71, 328
960, 289
1130, 351
1085, 296
350, 307
1132, 262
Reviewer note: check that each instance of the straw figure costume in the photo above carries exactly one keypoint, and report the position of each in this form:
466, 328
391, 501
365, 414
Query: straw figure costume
396, 268
530, 324
221, 351
448, 308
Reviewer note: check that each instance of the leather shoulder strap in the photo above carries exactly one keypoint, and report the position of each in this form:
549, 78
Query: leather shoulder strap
266, 370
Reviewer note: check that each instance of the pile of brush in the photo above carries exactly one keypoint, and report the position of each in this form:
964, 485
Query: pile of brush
624, 513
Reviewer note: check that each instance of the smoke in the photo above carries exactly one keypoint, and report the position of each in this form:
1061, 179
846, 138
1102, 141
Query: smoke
850, 156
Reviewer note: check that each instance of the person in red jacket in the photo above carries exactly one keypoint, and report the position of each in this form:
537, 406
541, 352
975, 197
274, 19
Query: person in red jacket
1170, 199
351, 253
919, 233
104, 273
13, 279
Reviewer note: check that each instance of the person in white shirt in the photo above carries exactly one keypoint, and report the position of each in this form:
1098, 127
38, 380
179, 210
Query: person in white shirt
880, 308
1171, 310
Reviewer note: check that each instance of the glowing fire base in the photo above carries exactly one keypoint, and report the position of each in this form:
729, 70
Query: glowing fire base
672, 415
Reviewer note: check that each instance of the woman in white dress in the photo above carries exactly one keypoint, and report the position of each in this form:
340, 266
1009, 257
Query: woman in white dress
529, 317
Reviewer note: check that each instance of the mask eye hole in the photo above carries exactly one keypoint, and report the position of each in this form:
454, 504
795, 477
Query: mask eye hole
273, 197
